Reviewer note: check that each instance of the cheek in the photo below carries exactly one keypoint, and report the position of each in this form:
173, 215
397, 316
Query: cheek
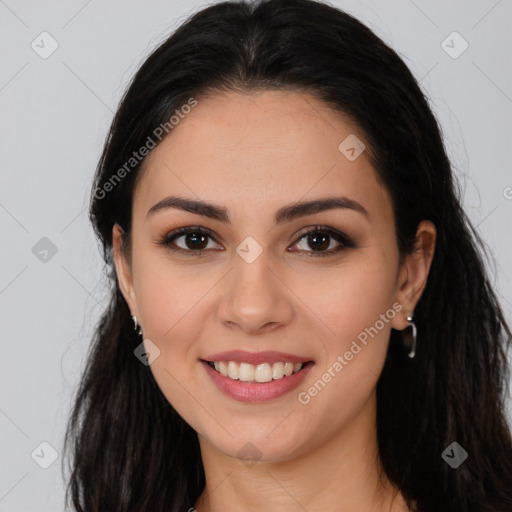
168, 296
172, 311
358, 309
173, 308
354, 298
360, 312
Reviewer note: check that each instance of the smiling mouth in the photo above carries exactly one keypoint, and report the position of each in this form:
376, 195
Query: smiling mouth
264, 372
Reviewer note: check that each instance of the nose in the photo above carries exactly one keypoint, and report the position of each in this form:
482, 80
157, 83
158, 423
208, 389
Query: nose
254, 298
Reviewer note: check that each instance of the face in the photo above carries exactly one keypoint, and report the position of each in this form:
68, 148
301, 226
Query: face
258, 274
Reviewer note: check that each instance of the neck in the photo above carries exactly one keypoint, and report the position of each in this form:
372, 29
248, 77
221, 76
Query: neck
344, 473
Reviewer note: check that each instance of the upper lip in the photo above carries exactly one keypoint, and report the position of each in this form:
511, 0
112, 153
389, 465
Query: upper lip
267, 356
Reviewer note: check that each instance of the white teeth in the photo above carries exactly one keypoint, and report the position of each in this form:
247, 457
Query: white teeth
233, 370
278, 370
264, 372
222, 368
246, 372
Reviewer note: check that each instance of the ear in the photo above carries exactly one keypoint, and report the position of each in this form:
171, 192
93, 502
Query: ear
123, 269
413, 273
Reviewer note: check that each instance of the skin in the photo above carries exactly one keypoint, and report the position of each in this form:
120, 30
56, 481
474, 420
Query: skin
254, 153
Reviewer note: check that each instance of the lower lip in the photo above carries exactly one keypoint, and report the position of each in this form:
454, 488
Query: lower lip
256, 392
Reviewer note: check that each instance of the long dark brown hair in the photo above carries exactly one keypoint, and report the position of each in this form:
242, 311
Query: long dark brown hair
128, 448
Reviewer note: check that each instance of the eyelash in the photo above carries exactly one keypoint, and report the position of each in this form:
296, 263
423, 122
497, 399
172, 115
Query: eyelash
347, 242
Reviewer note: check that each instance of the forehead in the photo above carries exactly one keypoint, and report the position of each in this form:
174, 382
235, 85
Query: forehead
274, 147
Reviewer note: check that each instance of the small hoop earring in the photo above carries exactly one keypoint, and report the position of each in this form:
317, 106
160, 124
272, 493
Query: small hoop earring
136, 325
409, 336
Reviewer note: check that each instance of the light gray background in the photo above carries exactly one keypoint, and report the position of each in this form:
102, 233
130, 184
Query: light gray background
55, 113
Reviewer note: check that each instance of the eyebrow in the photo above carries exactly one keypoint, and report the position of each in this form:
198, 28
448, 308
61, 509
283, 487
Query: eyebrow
285, 214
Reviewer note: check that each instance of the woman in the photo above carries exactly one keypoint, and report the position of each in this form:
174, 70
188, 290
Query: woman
300, 315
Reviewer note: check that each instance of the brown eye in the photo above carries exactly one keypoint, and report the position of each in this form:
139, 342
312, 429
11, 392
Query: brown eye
195, 240
320, 239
